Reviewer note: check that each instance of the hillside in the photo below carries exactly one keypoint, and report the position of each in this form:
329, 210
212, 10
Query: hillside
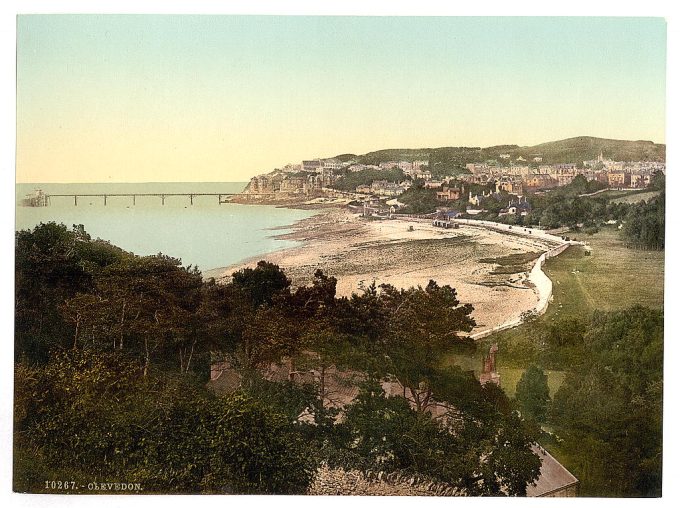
567, 150
587, 148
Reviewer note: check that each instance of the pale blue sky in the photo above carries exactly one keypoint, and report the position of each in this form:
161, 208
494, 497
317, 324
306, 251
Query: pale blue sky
177, 98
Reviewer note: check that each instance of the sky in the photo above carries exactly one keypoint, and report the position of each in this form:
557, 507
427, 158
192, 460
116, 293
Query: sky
144, 98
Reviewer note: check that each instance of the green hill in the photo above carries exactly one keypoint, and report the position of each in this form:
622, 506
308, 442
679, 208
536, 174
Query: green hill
588, 148
567, 150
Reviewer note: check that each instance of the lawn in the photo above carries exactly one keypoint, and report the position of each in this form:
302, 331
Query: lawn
613, 194
636, 197
613, 277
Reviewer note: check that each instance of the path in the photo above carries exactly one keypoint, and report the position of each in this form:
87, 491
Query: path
537, 276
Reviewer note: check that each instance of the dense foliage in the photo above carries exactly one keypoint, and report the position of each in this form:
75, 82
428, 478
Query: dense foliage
645, 224
609, 410
385, 433
606, 417
113, 352
533, 394
419, 200
567, 206
350, 181
571, 206
96, 414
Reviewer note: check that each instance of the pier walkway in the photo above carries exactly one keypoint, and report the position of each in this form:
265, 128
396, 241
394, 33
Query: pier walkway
134, 196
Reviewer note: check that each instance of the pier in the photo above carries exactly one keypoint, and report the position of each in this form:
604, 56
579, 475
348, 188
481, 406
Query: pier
222, 197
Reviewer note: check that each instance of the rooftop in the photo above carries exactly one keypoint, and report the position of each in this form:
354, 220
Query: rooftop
553, 476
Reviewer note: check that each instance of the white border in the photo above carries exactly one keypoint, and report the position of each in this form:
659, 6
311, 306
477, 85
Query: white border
8, 11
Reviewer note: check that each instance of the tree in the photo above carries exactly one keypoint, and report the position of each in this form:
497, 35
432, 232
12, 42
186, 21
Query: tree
48, 269
418, 199
422, 325
644, 225
96, 417
262, 283
658, 181
608, 412
478, 453
145, 306
533, 394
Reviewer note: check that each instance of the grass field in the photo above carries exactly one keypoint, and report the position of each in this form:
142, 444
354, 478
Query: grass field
637, 197
613, 194
613, 277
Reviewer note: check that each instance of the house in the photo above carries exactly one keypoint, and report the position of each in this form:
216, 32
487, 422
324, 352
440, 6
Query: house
449, 194
433, 184
618, 179
554, 479
446, 224
385, 188
476, 200
510, 186
311, 165
447, 214
535, 182
265, 184
516, 208
355, 168
517, 170
341, 388
332, 164
293, 184
639, 181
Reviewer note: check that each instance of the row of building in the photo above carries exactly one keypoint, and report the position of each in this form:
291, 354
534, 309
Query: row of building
290, 183
416, 168
310, 176
520, 179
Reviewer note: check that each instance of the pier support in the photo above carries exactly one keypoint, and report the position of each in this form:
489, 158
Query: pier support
191, 199
219, 199
162, 199
75, 200
134, 199
104, 199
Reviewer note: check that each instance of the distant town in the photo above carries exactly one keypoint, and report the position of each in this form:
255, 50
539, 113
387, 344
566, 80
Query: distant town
513, 176
502, 187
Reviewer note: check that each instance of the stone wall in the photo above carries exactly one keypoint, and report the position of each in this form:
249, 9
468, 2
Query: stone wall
338, 482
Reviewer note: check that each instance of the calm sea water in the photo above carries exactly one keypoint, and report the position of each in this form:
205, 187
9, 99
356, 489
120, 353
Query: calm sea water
205, 234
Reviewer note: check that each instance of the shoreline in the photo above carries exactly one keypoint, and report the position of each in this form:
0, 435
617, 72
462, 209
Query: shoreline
409, 252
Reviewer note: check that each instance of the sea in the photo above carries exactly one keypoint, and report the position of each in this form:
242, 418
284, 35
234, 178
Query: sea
207, 234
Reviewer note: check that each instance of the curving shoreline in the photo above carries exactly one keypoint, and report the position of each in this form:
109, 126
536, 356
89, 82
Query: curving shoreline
358, 251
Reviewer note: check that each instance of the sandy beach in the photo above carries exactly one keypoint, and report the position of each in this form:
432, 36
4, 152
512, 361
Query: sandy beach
489, 269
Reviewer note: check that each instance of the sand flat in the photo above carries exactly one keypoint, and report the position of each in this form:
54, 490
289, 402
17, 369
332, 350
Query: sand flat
358, 251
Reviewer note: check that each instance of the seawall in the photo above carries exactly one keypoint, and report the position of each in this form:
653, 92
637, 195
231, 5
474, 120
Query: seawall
542, 283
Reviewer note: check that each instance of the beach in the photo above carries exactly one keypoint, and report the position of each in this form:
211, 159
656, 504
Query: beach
488, 268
